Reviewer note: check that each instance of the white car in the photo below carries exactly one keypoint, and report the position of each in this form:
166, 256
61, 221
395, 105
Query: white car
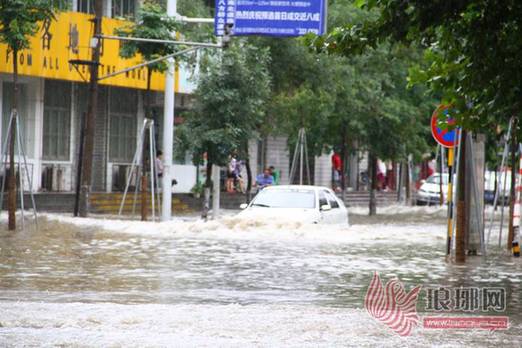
307, 204
429, 192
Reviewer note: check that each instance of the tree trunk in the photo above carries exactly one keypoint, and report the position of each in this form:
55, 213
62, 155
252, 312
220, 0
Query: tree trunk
407, 182
512, 191
344, 160
460, 241
208, 185
91, 116
11, 198
373, 183
249, 175
145, 154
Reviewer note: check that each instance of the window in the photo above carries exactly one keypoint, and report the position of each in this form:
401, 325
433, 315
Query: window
282, 198
332, 200
123, 8
23, 114
86, 6
122, 116
322, 199
57, 121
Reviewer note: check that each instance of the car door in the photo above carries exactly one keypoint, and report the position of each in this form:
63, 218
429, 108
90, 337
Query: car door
326, 217
335, 213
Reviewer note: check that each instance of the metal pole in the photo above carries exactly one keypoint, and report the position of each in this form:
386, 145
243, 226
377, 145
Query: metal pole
29, 180
301, 155
168, 129
504, 189
173, 42
294, 159
156, 177
135, 161
20, 176
216, 191
152, 181
149, 63
308, 174
3, 165
495, 200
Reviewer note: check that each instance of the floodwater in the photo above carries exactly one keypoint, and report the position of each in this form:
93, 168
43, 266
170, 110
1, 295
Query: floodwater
105, 283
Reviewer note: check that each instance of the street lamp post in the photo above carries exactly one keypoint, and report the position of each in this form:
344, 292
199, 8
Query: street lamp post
168, 129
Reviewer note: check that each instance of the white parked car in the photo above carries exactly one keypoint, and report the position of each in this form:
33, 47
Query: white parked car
429, 191
307, 204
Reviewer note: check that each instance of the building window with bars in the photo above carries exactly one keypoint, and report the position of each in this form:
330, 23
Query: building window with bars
123, 119
86, 6
123, 8
57, 121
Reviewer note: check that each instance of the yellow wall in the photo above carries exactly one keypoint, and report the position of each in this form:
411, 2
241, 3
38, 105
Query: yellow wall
69, 39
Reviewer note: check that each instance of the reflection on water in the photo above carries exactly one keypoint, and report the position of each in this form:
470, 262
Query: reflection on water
65, 264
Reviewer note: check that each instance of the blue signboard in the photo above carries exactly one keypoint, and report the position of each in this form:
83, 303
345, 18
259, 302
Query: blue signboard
270, 17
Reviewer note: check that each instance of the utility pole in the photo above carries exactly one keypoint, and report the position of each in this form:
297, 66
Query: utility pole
168, 128
512, 191
92, 109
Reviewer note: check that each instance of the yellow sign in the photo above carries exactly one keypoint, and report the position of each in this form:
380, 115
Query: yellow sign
68, 38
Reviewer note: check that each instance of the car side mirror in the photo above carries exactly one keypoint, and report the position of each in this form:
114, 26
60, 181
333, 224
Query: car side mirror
325, 207
422, 181
243, 206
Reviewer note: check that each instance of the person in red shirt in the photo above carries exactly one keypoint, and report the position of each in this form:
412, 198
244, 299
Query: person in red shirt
337, 167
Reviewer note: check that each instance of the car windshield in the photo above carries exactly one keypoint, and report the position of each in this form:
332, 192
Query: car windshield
435, 179
285, 199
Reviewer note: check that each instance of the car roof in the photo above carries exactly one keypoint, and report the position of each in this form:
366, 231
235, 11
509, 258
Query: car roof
297, 187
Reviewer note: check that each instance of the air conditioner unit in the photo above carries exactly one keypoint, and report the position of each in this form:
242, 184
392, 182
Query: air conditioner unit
53, 178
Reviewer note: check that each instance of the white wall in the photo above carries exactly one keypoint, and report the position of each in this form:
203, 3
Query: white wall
185, 174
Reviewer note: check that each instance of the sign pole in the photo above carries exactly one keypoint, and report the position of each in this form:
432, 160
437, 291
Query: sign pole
451, 160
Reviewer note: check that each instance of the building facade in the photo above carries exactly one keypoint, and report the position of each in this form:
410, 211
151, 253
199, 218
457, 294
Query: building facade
53, 96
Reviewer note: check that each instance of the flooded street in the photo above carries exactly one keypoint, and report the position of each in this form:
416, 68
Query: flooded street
233, 283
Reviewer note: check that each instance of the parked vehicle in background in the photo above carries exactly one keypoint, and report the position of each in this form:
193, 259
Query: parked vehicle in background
429, 191
489, 186
307, 204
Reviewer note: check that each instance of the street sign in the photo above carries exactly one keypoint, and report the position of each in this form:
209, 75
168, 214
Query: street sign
270, 17
444, 136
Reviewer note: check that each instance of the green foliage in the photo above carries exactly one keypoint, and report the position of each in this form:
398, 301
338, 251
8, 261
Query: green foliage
152, 22
19, 20
230, 103
472, 49
361, 99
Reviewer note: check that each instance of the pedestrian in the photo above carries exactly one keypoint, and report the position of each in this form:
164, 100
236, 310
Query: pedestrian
337, 167
265, 179
160, 168
230, 173
238, 179
275, 174
381, 175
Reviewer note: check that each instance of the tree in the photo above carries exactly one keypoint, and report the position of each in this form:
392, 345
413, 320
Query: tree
471, 51
19, 20
230, 105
